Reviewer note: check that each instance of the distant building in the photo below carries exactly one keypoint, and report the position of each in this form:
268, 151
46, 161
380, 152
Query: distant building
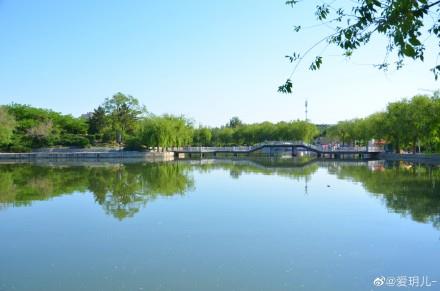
322, 140
86, 116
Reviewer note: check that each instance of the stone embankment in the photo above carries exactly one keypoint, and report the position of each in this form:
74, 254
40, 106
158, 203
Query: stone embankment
433, 159
86, 155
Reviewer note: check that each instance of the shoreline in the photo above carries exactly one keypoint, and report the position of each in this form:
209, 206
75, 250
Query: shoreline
430, 159
87, 155
105, 156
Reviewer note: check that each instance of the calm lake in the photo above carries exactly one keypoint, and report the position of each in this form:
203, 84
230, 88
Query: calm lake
219, 225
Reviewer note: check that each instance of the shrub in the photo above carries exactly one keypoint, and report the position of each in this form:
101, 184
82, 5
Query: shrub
133, 143
74, 140
17, 148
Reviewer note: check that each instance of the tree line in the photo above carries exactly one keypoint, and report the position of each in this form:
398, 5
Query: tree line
122, 120
410, 124
237, 133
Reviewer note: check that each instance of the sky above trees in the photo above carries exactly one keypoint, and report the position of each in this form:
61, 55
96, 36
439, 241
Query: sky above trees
207, 60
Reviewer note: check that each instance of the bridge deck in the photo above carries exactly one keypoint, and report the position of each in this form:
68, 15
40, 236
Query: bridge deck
291, 146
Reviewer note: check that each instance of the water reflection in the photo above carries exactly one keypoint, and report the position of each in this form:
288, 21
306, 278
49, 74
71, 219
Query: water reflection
123, 189
297, 169
410, 190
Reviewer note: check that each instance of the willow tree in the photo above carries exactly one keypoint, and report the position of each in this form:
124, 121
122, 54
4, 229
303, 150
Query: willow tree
165, 131
202, 136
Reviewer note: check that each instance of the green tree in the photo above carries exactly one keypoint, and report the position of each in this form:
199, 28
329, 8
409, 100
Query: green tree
7, 126
68, 124
404, 23
376, 125
249, 134
406, 124
341, 132
98, 121
234, 122
202, 136
123, 111
42, 127
225, 136
41, 134
303, 131
165, 131
433, 141
398, 124
423, 117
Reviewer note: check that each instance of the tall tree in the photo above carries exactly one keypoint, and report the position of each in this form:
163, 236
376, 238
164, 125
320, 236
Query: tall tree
97, 121
234, 122
124, 111
422, 115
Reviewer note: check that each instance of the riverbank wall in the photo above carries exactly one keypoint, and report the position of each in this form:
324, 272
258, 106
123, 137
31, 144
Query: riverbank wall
87, 155
432, 159
117, 155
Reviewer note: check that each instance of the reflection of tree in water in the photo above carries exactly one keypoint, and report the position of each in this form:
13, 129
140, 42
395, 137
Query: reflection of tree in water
405, 189
121, 189
294, 169
125, 189
23, 183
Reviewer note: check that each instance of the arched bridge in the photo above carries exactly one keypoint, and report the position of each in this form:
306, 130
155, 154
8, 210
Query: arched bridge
319, 150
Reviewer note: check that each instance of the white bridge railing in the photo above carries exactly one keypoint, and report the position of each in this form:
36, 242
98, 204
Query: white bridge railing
214, 149
245, 149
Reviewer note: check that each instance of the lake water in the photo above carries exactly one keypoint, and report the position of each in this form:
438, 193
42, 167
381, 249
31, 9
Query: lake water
219, 225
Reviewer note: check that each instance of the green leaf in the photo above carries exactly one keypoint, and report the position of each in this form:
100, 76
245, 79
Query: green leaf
292, 2
409, 51
316, 65
286, 88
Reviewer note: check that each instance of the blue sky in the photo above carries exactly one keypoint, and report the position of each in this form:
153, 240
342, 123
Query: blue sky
208, 60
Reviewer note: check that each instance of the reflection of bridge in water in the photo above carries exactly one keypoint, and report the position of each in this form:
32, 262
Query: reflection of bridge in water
278, 164
270, 148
